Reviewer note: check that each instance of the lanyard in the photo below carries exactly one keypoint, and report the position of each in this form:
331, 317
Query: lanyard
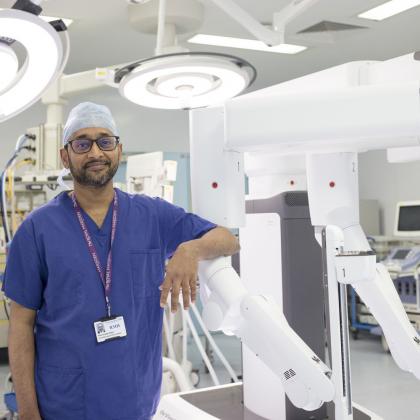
106, 278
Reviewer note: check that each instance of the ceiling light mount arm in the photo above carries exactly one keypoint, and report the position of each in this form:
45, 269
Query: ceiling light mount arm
282, 18
260, 31
270, 37
161, 27
167, 37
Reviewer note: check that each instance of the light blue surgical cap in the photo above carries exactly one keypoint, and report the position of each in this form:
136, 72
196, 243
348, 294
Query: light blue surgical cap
87, 115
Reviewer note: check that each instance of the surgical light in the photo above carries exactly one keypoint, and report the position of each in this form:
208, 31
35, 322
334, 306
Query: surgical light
388, 9
67, 21
184, 80
45, 59
247, 44
9, 65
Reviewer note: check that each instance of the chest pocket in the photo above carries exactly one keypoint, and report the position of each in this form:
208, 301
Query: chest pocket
64, 288
146, 272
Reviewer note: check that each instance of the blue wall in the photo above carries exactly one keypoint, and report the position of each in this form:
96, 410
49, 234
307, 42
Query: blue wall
182, 189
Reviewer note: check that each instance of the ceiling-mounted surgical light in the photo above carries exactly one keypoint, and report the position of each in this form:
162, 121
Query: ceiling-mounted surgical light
184, 80
9, 65
45, 59
67, 21
176, 78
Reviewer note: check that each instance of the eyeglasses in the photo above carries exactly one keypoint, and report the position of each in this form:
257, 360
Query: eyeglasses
84, 144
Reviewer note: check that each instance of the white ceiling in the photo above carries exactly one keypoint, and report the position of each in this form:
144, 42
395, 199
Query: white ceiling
101, 36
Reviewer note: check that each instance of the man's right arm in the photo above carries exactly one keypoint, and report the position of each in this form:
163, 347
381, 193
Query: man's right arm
22, 360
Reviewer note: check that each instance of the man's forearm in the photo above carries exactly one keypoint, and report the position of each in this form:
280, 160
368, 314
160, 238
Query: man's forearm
215, 243
22, 360
181, 270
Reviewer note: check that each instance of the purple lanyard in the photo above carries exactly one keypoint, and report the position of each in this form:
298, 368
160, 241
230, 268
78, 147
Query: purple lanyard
107, 277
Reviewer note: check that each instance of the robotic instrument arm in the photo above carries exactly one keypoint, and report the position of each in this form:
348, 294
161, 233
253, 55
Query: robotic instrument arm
355, 263
262, 327
374, 285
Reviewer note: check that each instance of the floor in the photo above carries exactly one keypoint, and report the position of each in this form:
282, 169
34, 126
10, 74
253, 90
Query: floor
378, 384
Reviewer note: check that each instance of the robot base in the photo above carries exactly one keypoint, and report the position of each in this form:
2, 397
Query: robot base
222, 403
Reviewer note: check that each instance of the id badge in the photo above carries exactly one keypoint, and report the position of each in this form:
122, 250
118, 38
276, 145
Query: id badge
109, 328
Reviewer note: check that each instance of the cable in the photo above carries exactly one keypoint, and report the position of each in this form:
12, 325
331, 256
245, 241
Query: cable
9, 175
4, 198
20, 142
10, 182
9, 196
18, 148
4, 208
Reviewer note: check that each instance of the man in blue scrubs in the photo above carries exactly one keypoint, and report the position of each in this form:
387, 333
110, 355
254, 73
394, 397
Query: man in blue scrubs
87, 278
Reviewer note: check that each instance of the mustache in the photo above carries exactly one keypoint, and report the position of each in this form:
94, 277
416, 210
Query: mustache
97, 161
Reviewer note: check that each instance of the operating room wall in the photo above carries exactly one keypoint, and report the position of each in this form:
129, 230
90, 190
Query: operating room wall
146, 130
182, 187
141, 129
388, 183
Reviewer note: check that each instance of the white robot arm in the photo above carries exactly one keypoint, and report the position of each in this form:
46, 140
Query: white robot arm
382, 298
334, 197
261, 325
374, 285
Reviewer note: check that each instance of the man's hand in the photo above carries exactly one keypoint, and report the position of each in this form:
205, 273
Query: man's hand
181, 274
182, 269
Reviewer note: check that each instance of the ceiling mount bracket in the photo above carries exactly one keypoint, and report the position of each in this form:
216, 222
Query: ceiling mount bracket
281, 19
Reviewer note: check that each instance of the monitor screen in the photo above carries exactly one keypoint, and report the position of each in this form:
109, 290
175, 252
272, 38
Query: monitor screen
409, 218
401, 254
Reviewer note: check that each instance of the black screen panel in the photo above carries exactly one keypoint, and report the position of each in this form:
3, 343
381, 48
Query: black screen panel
409, 219
401, 254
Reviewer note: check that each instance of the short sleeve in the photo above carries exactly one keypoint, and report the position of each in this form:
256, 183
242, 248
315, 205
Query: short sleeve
178, 226
22, 280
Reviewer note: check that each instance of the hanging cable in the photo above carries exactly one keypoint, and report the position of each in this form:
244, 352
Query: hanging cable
10, 189
20, 145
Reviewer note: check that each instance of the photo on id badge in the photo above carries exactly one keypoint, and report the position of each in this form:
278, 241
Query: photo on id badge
100, 328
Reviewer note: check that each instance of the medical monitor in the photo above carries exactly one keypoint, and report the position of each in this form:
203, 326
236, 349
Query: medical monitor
407, 221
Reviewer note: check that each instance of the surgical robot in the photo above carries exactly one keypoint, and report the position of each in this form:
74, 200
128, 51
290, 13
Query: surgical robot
328, 117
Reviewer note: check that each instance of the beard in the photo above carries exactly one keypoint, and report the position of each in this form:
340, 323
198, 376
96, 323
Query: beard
94, 179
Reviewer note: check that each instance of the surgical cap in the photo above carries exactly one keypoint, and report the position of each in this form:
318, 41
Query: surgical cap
88, 115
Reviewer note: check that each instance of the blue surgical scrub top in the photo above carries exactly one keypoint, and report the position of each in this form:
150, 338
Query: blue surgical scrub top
50, 270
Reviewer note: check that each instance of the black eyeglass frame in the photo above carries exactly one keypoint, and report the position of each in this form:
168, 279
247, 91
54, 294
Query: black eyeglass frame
117, 138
